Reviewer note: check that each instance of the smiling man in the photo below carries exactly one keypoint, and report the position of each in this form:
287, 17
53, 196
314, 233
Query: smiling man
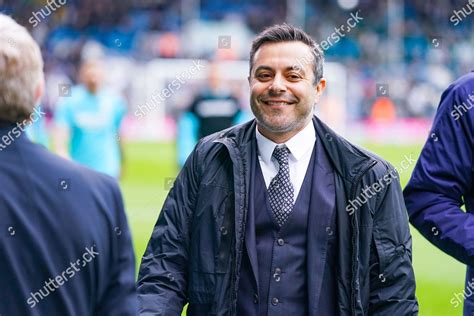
258, 220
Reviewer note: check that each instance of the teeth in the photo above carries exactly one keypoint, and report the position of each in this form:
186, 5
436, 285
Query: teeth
277, 103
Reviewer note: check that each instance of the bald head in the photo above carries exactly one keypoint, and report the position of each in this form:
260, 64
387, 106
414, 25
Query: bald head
21, 71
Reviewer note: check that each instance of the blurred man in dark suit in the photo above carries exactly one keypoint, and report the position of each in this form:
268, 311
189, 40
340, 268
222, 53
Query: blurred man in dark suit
212, 110
65, 246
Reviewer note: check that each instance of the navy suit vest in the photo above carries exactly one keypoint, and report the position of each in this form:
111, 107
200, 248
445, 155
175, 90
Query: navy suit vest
281, 252
291, 270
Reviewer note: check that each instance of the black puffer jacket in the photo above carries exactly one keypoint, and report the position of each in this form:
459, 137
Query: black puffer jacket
194, 254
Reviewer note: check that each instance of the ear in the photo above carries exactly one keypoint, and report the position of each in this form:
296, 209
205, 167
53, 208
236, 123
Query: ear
320, 87
39, 91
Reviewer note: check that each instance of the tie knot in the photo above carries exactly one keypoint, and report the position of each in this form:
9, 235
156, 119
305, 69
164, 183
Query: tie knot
281, 154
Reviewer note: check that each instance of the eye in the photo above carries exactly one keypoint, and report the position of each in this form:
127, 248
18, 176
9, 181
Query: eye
294, 76
264, 76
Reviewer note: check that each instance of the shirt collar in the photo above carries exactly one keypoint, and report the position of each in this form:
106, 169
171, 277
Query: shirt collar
298, 145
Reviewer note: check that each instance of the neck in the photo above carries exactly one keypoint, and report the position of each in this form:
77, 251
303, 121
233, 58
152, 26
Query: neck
277, 137
92, 89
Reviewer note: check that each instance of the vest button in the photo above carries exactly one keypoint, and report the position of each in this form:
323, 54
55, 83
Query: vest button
281, 241
255, 298
275, 301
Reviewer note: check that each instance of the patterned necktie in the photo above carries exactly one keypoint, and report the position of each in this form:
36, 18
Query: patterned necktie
280, 191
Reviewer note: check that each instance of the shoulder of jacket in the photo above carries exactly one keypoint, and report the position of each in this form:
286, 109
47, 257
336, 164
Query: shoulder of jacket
214, 140
82, 176
381, 166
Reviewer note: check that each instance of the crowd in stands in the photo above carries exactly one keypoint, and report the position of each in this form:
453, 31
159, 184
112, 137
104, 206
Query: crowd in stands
416, 47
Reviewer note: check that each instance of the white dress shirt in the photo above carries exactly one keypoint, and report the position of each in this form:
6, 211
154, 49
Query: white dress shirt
301, 147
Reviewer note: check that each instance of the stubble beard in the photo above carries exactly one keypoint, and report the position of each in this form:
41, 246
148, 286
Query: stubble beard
281, 124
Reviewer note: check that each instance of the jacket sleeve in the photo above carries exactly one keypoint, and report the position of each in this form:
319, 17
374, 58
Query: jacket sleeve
120, 297
163, 277
392, 280
443, 177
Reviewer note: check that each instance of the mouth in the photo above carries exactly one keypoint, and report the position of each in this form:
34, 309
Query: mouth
278, 103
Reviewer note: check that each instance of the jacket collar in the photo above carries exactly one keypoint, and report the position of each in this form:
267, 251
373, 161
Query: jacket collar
348, 160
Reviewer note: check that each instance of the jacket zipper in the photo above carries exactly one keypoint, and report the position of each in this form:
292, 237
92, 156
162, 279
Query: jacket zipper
233, 278
354, 255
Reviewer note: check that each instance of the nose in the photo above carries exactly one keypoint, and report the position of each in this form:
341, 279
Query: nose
278, 85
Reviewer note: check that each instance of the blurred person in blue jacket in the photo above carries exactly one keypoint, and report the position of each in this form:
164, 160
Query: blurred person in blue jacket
65, 246
442, 182
88, 122
213, 110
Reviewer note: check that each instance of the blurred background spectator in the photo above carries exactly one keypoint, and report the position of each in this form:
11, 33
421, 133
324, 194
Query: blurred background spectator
87, 122
411, 48
213, 109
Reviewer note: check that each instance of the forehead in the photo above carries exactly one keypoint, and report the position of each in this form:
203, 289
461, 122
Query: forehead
284, 54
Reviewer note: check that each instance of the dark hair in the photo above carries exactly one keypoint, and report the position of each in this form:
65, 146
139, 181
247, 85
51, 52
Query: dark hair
287, 33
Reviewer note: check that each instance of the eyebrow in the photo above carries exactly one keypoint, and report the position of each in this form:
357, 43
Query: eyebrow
264, 67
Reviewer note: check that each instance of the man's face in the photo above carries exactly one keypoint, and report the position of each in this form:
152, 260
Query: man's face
91, 75
282, 87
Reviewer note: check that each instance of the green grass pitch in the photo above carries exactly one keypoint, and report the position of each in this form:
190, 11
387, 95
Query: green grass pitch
150, 166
